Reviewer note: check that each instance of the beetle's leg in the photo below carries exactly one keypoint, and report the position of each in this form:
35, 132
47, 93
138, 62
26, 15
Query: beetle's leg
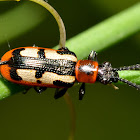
40, 89
26, 90
82, 91
92, 56
64, 49
60, 93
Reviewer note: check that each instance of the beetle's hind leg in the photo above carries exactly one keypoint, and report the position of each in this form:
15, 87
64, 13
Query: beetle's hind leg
60, 92
26, 90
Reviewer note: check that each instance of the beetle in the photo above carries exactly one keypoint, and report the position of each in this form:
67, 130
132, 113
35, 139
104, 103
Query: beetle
45, 67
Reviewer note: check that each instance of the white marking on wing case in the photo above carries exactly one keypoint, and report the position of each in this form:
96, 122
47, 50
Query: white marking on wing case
27, 75
49, 77
30, 52
52, 54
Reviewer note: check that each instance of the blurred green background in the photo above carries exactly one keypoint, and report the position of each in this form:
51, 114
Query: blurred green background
103, 114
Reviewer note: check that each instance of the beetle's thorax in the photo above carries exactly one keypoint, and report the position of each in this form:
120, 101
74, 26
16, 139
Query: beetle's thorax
86, 71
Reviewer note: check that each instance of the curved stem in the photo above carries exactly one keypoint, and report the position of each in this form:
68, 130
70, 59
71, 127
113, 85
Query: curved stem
72, 115
61, 44
58, 19
56, 16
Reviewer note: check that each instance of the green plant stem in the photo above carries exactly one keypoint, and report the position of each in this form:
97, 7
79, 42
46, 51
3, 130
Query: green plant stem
98, 38
106, 33
72, 115
133, 76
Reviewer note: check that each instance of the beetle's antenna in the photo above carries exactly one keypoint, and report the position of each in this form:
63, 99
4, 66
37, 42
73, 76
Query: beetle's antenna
129, 83
133, 67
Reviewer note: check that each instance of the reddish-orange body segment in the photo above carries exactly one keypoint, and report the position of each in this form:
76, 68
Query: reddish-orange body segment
86, 71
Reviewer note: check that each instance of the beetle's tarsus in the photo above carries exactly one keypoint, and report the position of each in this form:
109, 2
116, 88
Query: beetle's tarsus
26, 90
82, 91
